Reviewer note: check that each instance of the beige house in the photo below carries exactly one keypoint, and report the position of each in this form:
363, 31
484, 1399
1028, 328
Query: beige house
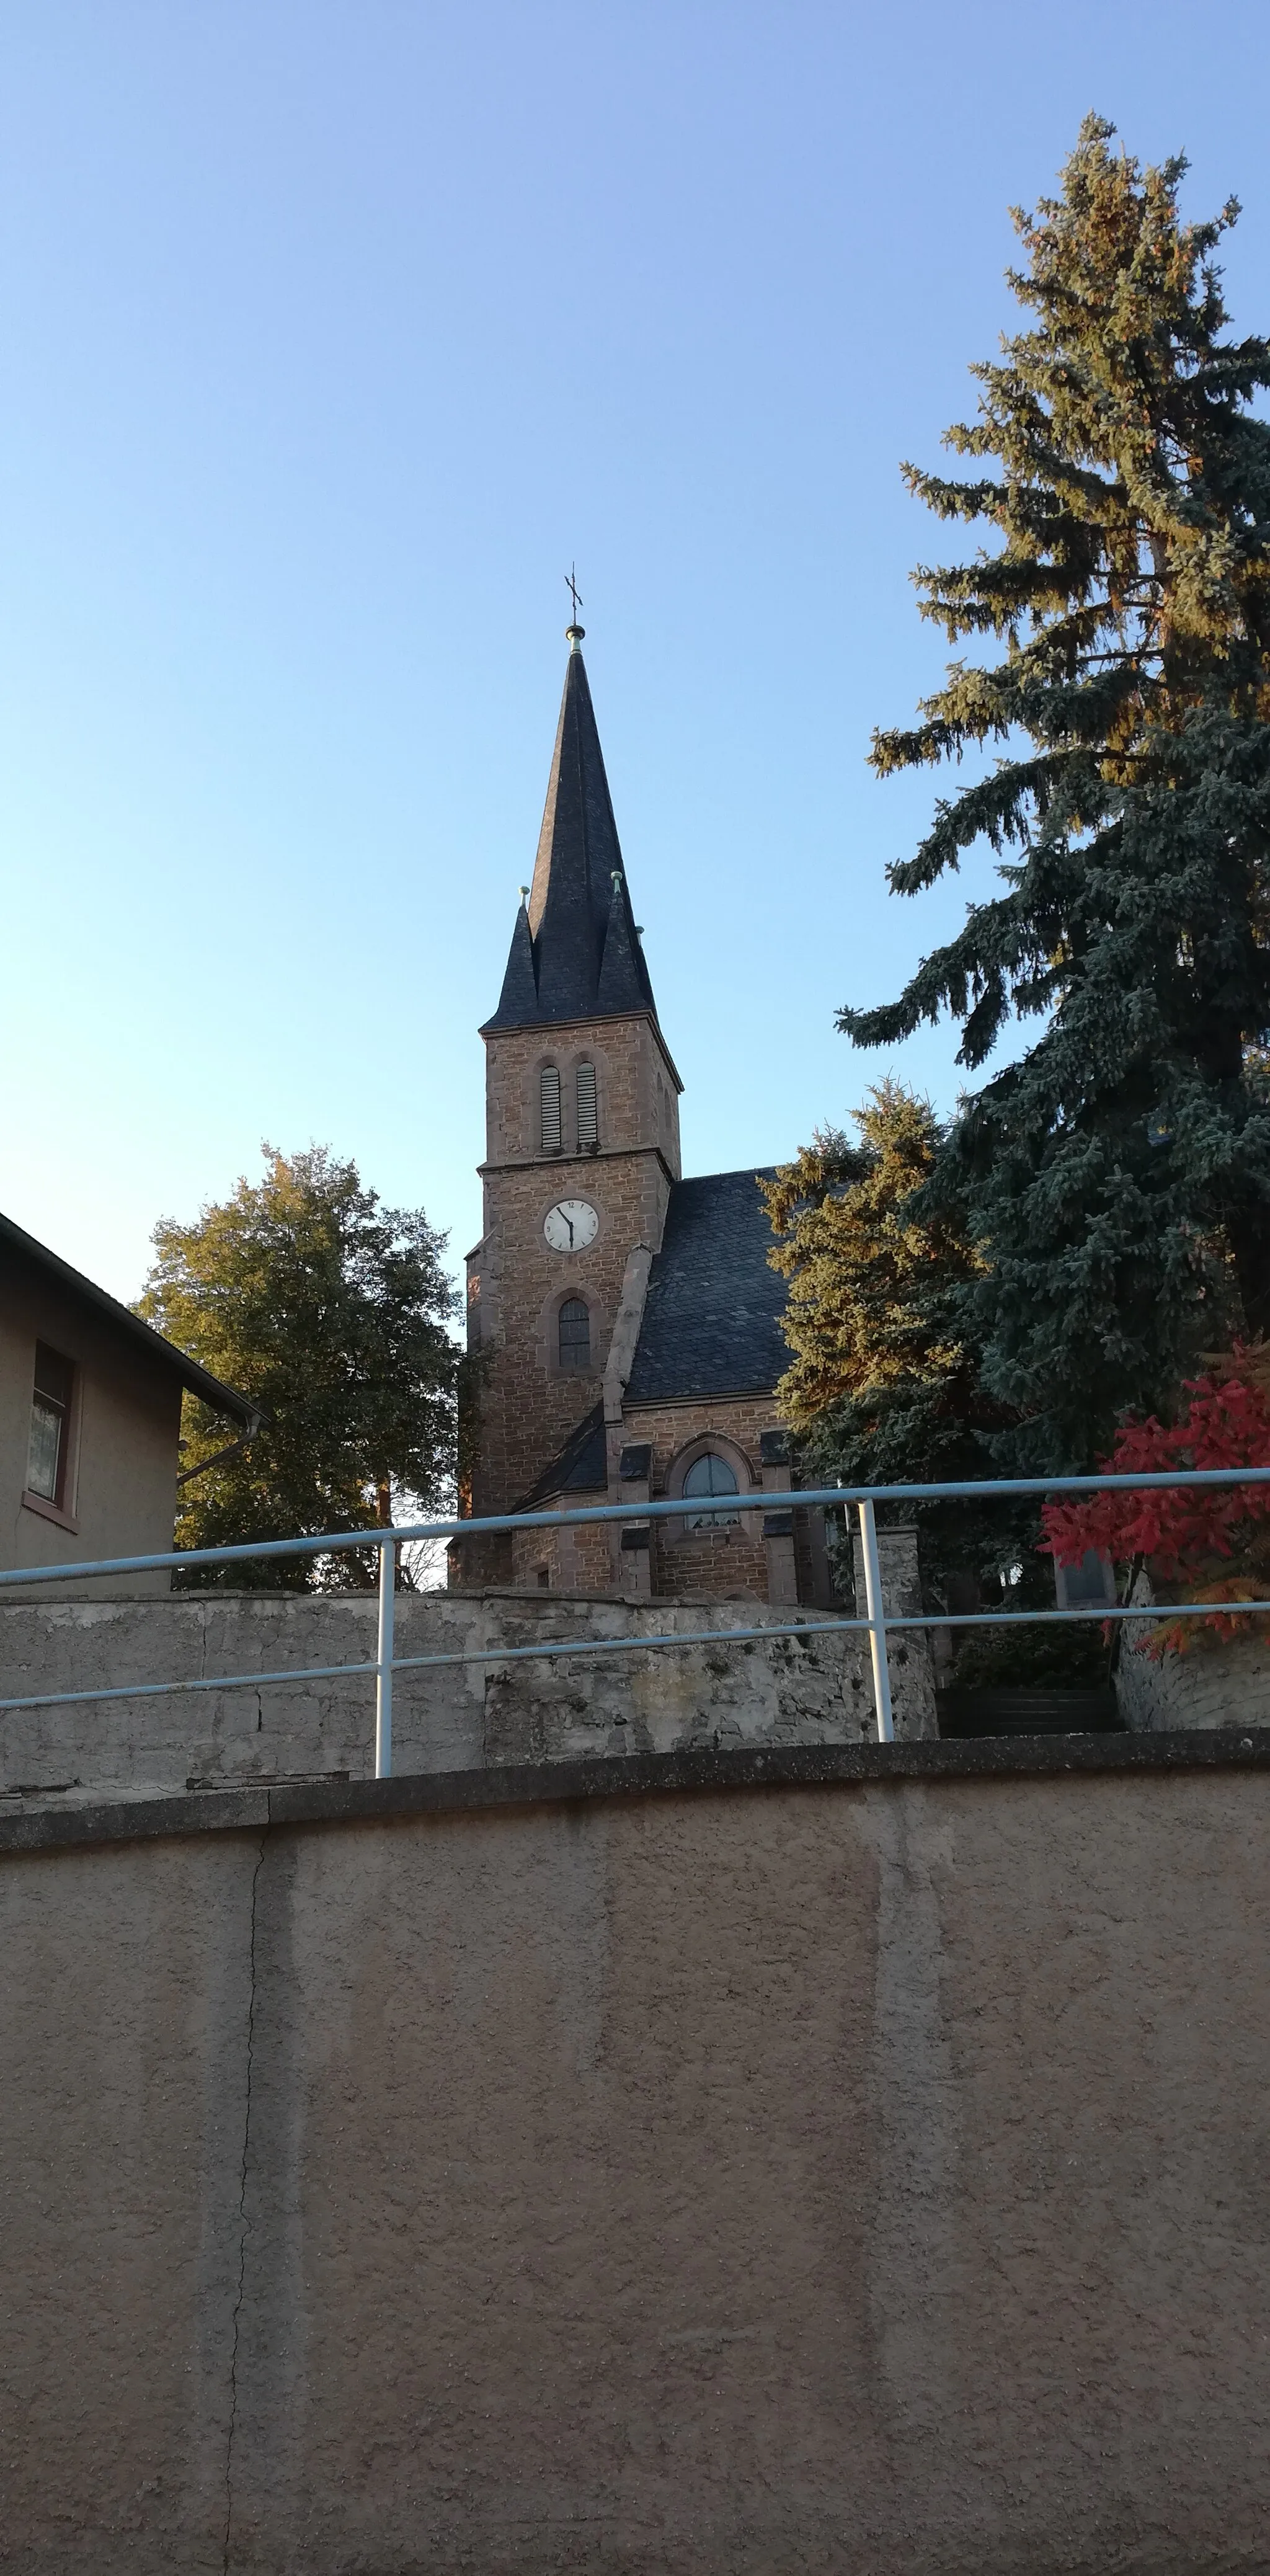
90, 1419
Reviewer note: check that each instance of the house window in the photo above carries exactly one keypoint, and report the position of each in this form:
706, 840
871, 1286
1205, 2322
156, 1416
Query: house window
588, 1120
549, 1108
710, 1474
575, 1334
1093, 1580
50, 1425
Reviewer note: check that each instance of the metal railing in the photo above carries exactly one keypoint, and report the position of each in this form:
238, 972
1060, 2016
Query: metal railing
878, 1622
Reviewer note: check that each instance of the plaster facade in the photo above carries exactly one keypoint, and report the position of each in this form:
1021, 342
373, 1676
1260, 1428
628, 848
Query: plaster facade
855, 2179
119, 1498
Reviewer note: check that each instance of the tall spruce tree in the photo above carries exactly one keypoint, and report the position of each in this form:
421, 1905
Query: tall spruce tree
1118, 1175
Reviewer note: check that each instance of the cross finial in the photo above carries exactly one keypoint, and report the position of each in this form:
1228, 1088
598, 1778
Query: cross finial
574, 633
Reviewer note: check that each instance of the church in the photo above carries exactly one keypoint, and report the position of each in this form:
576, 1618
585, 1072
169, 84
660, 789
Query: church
624, 1324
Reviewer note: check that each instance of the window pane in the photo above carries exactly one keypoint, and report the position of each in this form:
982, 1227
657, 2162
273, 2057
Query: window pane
549, 1104
710, 1475
1086, 1581
588, 1125
46, 1449
52, 1375
575, 1334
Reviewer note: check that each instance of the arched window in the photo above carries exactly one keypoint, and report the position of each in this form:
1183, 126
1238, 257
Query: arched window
575, 1334
549, 1108
588, 1119
710, 1474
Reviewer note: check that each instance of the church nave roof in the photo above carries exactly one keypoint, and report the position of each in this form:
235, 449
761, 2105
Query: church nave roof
712, 1316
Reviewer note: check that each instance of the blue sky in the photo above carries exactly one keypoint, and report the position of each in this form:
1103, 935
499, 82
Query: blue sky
332, 334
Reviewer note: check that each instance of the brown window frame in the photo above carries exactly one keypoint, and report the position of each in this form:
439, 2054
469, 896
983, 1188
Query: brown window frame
53, 1365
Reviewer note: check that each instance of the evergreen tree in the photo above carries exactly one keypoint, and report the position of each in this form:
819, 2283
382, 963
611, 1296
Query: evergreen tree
1118, 1175
330, 1310
884, 1385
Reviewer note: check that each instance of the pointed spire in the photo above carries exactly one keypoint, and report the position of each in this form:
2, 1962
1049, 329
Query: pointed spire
518, 1000
575, 953
624, 984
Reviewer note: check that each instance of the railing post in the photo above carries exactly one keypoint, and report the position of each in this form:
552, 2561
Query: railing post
877, 1622
383, 1669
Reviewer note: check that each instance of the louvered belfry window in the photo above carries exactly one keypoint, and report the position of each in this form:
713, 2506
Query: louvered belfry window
549, 1108
575, 1335
588, 1121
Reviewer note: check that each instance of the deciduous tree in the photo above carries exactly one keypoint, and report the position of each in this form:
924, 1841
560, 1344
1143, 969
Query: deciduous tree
331, 1311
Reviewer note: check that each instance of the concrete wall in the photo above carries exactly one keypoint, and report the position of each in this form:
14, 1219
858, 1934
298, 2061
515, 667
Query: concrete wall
125, 1423
858, 2178
794, 1690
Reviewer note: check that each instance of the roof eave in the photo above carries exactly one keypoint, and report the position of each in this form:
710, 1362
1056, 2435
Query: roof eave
199, 1381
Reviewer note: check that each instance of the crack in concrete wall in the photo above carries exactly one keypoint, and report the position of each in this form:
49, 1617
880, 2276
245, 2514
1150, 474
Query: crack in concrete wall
244, 2224
728, 2183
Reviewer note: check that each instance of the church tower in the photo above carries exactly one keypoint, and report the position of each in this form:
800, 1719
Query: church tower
582, 1148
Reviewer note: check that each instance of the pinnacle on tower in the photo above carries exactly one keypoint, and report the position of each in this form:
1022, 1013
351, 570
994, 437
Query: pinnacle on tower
575, 952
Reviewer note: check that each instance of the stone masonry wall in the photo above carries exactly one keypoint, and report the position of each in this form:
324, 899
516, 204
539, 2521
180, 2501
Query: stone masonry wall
449, 1716
516, 1282
724, 1560
637, 1097
1225, 1682
683, 1564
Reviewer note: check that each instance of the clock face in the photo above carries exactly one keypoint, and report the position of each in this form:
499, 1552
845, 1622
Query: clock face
569, 1225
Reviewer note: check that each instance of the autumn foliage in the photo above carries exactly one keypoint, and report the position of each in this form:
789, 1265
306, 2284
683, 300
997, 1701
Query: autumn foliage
1204, 1545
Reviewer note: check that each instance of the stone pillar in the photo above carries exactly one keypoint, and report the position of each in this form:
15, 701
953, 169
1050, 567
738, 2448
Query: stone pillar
778, 1527
635, 1553
908, 1653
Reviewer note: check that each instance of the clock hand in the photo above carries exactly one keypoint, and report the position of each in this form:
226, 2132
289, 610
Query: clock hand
569, 1223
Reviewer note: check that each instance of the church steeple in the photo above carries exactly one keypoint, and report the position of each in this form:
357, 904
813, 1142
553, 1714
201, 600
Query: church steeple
575, 952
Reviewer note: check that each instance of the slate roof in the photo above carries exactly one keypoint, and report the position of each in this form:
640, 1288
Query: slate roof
712, 1314
575, 952
580, 1467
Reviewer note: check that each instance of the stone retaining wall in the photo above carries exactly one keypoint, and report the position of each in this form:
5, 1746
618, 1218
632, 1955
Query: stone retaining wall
808, 1689
1218, 1682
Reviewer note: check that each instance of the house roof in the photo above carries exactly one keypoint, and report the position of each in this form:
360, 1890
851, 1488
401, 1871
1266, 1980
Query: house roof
200, 1382
579, 1467
575, 952
712, 1315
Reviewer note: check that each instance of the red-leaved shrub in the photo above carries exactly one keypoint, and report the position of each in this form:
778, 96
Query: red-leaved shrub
1208, 1545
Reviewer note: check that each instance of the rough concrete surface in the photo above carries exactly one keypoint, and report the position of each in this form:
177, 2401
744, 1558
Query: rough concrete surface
864, 2177
814, 1689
